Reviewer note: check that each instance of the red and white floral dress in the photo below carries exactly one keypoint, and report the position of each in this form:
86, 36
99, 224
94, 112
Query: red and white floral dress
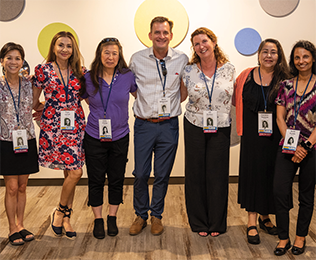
57, 150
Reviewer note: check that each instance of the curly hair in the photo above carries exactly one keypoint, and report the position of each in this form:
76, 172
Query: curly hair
307, 45
220, 56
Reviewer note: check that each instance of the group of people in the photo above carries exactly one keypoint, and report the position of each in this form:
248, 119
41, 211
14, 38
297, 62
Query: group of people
273, 102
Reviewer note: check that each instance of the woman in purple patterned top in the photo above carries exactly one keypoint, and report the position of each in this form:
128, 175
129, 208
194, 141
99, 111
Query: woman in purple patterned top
296, 111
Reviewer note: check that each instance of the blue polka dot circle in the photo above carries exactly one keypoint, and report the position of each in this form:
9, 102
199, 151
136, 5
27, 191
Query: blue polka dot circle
247, 41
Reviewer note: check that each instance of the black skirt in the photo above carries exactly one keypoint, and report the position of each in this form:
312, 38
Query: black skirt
18, 163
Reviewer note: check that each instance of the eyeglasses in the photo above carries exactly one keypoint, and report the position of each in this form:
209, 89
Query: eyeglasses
110, 40
163, 67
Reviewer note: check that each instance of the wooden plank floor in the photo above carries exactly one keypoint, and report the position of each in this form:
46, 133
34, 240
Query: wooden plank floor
177, 241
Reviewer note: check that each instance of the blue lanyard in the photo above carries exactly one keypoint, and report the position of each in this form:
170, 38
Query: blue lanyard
264, 97
214, 76
62, 78
17, 112
164, 83
107, 101
299, 105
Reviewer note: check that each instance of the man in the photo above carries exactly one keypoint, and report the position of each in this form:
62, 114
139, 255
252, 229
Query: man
158, 73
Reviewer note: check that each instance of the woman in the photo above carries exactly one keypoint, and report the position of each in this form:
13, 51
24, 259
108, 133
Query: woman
106, 139
255, 92
61, 145
296, 110
16, 97
209, 80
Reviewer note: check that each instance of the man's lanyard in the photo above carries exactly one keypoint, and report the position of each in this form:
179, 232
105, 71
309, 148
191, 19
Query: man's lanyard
164, 72
264, 97
299, 105
62, 78
204, 77
17, 112
107, 101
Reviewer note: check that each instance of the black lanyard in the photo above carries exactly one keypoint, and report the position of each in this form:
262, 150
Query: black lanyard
107, 101
164, 74
208, 92
299, 105
17, 112
264, 97
62, 78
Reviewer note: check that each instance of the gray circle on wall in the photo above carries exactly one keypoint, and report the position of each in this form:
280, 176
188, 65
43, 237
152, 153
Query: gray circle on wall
279, 8
10, 9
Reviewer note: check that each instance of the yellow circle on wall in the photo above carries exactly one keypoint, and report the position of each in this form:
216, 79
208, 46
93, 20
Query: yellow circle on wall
47, 34
171, 9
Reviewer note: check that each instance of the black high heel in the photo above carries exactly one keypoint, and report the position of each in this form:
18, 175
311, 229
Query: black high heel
58, 231
270, 230
69, 234
255, 240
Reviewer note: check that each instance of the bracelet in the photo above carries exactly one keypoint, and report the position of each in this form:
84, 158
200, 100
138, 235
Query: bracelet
307, 148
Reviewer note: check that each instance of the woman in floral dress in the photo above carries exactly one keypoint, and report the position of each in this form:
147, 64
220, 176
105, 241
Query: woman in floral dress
60, 143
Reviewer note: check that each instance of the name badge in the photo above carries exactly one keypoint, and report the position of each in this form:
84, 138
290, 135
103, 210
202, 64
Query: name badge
265, 124
290, 141
20, 144
164, 108
105, 130
67, 121
210, 121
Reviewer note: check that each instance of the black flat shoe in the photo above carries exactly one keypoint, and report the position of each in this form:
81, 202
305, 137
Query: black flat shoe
299, 250
255, 240
112, 227
98, 230
270, 230
282, 250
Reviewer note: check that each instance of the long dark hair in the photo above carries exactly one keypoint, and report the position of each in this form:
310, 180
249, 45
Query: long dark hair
281, 69
75, 58
307, 46
97, 66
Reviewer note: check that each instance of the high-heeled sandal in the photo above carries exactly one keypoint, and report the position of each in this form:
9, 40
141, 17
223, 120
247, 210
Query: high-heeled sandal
58, 231
270, 230
69, 234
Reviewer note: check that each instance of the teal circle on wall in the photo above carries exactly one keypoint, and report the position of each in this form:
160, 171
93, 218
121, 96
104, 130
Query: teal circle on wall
247, 41
10, 9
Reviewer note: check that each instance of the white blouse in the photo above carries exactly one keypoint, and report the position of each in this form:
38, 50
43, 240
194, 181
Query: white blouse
198, 95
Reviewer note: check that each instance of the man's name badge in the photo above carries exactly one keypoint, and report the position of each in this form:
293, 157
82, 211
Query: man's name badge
210, 121
290, 141
19, 141
105, 130
265, 126
164, 108
67, 121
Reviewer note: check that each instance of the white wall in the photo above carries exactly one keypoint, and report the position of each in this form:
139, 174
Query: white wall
94, 20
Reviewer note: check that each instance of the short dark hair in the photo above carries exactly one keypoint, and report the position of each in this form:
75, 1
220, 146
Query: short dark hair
307, 45
10, 46
161, 19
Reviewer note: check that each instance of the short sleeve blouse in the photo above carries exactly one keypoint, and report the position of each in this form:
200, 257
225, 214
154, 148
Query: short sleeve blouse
8, 116
306, 119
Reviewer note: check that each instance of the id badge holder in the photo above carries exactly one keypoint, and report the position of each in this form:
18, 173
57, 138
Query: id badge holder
210, 121
164, 108
290, 141
19, 138
67, 121
105, 130
265, 125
